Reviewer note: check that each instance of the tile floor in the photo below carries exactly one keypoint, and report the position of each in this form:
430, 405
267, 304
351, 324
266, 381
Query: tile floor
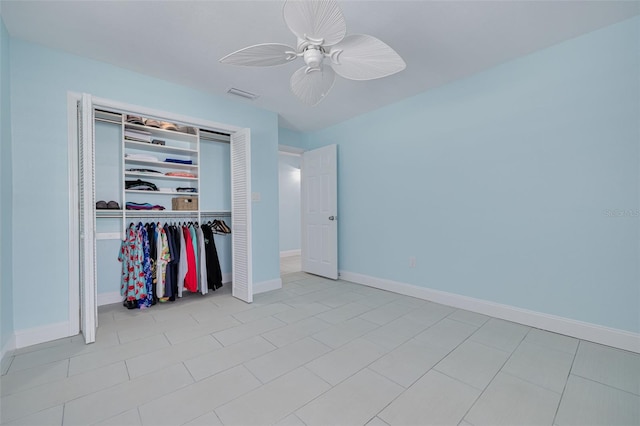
290, 264
318, 352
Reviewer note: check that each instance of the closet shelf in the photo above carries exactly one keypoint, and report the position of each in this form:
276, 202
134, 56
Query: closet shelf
140, 191
161, 213
161, 164
158, 176
172, 134
148, 146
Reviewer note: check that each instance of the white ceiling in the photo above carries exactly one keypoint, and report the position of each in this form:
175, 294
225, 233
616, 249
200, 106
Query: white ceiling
181, 41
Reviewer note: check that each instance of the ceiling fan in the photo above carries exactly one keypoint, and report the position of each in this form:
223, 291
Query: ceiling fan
321, 29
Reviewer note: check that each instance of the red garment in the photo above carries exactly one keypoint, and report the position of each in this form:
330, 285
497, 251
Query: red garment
191, 279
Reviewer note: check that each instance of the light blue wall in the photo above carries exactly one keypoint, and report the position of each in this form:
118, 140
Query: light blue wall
40, 80
6, 256
289, 171
291, 138
503, 185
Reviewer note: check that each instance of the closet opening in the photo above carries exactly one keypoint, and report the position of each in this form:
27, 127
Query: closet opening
164, 209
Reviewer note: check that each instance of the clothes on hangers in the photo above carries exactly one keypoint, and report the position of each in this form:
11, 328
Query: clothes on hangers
161, 262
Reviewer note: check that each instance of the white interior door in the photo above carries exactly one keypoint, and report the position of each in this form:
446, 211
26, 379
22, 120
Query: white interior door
319, 207
86, 167
242, 275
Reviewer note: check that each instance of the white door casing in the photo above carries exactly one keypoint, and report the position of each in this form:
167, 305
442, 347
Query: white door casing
86, 181
242, 274
319, 207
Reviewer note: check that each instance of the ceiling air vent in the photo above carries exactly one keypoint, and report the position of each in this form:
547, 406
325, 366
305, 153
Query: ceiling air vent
242, 93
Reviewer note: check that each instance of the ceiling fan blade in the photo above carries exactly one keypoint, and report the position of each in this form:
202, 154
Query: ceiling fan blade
363, 57
311, 86
317, 21
261, 55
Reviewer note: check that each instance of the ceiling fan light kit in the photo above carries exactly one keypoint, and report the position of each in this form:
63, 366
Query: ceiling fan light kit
325, 48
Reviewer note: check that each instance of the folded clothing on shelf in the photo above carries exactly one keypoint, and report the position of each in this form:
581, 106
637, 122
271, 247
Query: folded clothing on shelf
144, 171
141, 157
140, 185
142, 206
180, 174
137, 135
178, 161
184, 189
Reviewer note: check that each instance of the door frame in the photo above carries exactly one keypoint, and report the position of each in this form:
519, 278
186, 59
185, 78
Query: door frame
73, 183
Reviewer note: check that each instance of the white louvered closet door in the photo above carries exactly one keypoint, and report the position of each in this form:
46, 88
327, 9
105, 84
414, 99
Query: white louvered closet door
87, 219
242, 285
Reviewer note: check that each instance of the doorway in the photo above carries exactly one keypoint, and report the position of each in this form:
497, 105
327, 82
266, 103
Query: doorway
289, 166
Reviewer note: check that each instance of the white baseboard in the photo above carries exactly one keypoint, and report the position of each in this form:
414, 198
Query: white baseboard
289, 253
226, 277
109, 298
582, 330
33, 336
265, 286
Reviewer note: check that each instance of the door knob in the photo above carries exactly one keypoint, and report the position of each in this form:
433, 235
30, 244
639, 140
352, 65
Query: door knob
332, 218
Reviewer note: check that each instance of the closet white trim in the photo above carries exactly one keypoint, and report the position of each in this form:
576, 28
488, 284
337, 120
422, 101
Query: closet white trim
74, 239
582, 330
264, 286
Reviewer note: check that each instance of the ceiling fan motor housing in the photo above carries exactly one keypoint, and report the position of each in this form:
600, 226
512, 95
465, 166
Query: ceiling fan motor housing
313, 57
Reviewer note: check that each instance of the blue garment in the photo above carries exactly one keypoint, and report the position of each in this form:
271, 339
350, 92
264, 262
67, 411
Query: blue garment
146, 267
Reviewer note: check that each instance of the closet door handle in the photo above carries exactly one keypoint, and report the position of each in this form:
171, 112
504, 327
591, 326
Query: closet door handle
332, 218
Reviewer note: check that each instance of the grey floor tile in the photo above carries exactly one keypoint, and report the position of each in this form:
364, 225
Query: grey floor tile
40, 346
25, 379
447, 333
343, 313
345, 332
301, 312
109, 402
128, 418
509, 400
83, 363
245, 331
409, 362
613, 367
273, 401
197, 399
62, 351
435, 399
214, 362
353, 402
429, 314
162, 358
261, 312
586, 402
469, 317
552, 340
209, 419
341, 299
341, 363
375, 298
540, 365
137, 332
291, 420
276, 363
500, 334
48, 395
386, 313
288, 334
211, 325
377, 421
473, 363
48, 417
395, 333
